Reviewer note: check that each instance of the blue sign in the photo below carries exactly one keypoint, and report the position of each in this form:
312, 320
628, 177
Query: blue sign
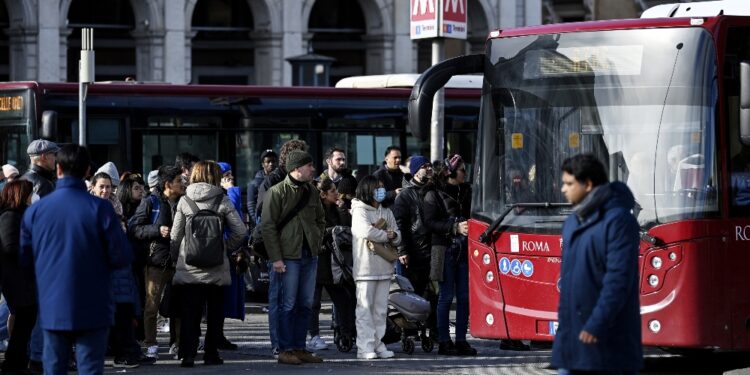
527, 268
515, 267
553, 328
504, 265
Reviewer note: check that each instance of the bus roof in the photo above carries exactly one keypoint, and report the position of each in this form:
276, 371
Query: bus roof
699, 9
406, 81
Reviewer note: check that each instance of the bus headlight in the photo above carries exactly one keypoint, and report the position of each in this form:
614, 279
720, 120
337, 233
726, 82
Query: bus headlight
490, 276
656, 262
653, 280
476, 252
672, 256
490, 319
486, 259
654, 326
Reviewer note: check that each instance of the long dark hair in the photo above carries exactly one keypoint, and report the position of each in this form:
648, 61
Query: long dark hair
15, 194
366, 189
125, 196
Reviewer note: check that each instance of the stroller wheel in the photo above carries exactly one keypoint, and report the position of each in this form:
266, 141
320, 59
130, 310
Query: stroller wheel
344, 344
407, 345
427, 344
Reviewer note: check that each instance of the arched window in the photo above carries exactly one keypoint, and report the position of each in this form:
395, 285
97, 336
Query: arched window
337, 28
112, 21
222, 51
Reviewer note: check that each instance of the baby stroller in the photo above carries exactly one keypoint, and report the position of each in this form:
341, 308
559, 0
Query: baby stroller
342, 262
407, 314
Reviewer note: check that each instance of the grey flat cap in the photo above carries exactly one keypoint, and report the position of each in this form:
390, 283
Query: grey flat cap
41, 147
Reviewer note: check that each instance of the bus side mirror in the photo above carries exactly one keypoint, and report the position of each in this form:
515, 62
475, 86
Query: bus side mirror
49, 125
745, 103
429, 82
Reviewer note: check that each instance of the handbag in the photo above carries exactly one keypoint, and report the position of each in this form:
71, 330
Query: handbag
384, 250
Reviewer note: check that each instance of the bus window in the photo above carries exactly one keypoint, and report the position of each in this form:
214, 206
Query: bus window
103, 140
161, 149
250, 145
739, 156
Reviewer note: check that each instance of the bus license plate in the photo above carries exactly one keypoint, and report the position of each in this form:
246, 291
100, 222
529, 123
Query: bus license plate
553, 327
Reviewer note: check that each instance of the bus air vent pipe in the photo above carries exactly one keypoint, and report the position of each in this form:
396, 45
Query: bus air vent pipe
432, 80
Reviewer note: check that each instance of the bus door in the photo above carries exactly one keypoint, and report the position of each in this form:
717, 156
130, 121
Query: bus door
166, 137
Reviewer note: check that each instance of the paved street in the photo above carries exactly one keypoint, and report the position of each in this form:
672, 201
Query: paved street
254, 357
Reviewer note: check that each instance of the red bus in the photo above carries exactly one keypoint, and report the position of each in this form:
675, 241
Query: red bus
664, 101
140, 126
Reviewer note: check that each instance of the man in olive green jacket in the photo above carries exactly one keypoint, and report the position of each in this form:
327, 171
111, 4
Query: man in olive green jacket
293, 249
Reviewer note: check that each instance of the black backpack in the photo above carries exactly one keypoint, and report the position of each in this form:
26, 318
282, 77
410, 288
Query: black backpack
204, 235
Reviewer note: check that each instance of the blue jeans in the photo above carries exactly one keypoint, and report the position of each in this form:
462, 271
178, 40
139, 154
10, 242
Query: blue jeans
90, 349
455, 283
36, 345
274, 296
4, 312
297, 286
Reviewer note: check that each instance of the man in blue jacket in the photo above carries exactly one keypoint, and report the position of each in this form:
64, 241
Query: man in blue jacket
599, 313
76, 241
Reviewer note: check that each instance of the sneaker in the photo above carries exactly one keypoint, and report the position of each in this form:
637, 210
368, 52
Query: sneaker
164, 326
367, 355
174, 351
152, 351
275, 353
126, 362
447, 348
385, 354
463, 348
288, 358
316, 343
307, 357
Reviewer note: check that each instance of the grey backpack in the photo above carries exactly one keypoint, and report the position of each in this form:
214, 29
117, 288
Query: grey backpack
204, 235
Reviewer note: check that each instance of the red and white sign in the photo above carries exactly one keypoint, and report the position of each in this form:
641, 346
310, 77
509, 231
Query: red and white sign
438, 18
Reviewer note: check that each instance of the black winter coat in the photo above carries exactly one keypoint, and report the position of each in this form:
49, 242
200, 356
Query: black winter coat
19, 283
416, 236
277, 175
334, 217
144, 232
43, 180
444, 208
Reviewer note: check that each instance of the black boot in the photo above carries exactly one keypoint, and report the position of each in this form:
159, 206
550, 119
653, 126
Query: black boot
447, 348
463, 348
516, 345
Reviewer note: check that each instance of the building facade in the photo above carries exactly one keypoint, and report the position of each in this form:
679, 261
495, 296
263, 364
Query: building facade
229, 41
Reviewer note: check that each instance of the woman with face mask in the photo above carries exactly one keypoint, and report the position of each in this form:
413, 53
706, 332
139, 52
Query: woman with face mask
372, 273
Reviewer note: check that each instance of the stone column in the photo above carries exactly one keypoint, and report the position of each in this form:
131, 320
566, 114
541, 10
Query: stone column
533, 12
293, 42
404, 58
379, 54
48, 42
507, 14
23, 54
176, 50
149, 55
269, 62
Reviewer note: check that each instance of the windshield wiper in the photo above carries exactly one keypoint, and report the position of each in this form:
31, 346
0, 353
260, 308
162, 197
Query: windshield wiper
487, 235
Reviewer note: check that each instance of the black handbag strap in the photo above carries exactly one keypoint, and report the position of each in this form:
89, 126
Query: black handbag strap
302, 202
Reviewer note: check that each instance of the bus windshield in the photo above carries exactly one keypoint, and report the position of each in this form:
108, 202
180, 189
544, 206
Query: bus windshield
16, 125
645, 109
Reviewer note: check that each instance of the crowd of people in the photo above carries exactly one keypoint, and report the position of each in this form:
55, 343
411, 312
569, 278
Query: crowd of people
129, 252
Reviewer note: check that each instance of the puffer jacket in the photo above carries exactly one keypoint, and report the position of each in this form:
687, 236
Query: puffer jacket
409, 213
204, 196
308, 224
368, 265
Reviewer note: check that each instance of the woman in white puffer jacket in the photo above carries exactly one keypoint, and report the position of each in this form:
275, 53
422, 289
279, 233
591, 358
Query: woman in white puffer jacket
372, 273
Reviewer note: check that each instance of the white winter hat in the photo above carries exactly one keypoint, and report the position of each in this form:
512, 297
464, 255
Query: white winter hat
111, 170
9, 170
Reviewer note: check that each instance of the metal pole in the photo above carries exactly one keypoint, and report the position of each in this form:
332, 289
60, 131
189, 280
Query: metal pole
85, 77
436, 128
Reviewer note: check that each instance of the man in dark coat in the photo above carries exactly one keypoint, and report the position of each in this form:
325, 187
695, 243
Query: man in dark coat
42, 170
390, 175
268, 161
74, 255
599, 312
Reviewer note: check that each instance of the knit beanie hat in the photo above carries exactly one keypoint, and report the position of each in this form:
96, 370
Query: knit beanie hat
9, 170
153, 178
111, 170
417, 162
296, 159
225, 167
